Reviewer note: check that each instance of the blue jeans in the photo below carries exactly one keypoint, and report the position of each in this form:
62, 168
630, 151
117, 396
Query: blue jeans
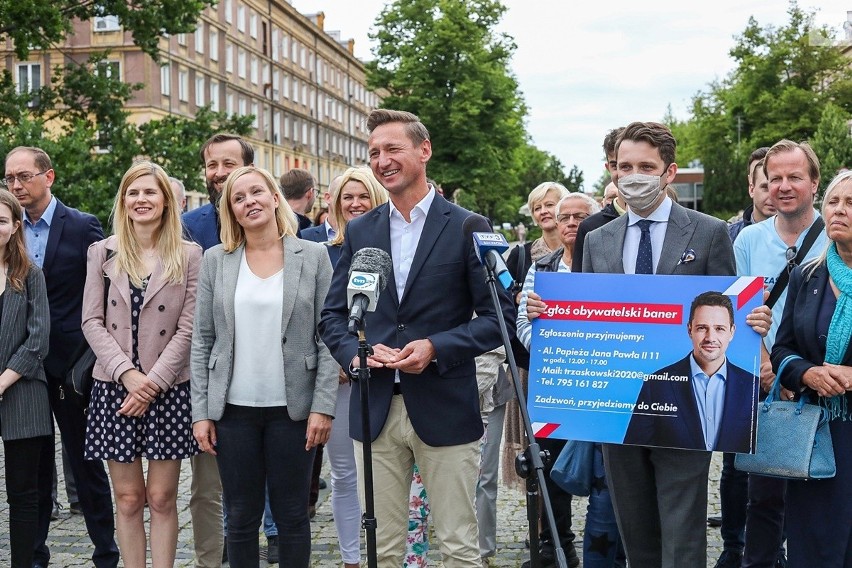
260, 449
602, 547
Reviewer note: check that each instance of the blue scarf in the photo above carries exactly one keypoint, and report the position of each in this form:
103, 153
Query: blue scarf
840, 328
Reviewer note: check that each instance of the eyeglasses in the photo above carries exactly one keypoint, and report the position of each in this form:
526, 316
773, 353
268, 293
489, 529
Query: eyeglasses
790, 255
564, 219
23, 177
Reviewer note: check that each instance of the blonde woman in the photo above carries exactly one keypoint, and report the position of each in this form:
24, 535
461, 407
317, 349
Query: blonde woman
263, 384
140, 329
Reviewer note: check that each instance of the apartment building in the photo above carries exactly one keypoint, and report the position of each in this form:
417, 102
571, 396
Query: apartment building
304, 86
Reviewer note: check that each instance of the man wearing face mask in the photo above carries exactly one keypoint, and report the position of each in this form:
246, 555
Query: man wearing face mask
659, 494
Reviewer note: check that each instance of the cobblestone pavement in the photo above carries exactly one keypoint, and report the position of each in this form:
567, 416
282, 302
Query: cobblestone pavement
70, 545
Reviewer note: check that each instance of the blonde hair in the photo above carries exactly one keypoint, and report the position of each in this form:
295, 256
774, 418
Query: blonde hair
168, 235
364, 176
232, 233
541, 191
839, 180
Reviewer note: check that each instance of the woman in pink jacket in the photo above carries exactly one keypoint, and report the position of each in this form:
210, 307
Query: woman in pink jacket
140, 329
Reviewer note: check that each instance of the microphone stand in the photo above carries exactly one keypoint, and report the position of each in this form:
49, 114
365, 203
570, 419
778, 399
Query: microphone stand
368, 519
529, 464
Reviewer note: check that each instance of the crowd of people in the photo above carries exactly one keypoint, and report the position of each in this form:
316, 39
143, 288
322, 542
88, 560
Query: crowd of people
221, 335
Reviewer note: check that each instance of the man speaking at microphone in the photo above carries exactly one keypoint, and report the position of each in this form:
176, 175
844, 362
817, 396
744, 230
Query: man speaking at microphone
424, 403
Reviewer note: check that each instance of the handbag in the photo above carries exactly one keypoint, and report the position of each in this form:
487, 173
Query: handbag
573, 470
79, 377
793, 439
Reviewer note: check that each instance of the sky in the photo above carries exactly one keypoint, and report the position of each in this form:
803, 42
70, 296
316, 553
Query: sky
583, 71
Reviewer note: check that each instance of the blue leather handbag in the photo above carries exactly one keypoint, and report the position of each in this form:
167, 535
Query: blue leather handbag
573, 470
793, 439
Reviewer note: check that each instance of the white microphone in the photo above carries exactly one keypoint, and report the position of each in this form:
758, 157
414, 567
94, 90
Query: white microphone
368, 277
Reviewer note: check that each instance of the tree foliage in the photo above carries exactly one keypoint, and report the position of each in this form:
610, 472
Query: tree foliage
782, 83
442, 60
80, 118
832, 142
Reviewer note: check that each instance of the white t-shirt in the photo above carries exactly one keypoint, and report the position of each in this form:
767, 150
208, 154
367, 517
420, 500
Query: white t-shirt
258, 378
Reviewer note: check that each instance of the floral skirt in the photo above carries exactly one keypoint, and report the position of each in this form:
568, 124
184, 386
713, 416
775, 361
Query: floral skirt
164, 432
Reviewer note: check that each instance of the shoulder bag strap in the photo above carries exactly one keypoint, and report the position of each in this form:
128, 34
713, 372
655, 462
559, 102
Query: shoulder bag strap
784, 276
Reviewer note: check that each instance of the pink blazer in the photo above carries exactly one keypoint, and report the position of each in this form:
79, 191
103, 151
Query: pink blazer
165, 323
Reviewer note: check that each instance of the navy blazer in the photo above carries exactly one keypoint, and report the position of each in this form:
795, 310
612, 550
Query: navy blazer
317, 234
201, 226
64, 268
445, 285
736, 432
798, 333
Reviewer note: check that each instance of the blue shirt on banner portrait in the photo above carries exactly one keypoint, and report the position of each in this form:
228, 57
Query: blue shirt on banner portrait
653, 360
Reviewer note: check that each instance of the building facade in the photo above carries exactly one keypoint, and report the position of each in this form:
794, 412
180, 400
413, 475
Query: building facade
304, 86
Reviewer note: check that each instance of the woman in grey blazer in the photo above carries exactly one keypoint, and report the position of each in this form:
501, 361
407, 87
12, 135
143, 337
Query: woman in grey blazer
140, 331
25, 421
263, 383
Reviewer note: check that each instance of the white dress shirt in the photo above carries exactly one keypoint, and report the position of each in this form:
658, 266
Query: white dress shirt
660, 216
405, 236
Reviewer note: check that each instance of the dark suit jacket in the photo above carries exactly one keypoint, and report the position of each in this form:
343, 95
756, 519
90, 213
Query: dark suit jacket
317, 234
64, 268
798, 333
736, 431
595, 221
24, 332
445, 285
201, 226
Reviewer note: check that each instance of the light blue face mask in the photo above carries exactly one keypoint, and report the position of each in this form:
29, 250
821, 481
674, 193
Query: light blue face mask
640, 191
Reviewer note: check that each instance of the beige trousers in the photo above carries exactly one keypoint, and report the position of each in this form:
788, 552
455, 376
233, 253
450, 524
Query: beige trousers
205, 508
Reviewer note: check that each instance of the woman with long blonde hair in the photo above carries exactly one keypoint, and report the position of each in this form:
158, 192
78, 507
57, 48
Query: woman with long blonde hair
140, 329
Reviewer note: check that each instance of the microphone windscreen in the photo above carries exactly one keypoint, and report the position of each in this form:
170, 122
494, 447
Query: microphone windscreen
374, 261
475, 223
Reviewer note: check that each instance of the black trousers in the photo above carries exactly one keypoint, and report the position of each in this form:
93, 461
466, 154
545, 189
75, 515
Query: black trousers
93, 488
22, 461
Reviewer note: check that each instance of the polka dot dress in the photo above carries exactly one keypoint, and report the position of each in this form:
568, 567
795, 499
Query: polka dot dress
164, 432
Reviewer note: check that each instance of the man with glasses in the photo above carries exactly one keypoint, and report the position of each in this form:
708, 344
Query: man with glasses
57, 239
766, 249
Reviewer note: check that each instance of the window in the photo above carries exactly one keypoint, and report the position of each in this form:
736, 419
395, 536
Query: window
183, 86
229, 103
241, 18
166, 80
287, 133
241, 64
304, 132
295, 90
276, 125
214, 45
243, 107
304, 94
274, 43
181, 38
228, 6
254, 67
229, 58
109, 69
302, 53
107, 24
285, 87
285, 46
214, 96
199, 39
29, 80
294, 50
276, 82
253, 25
199, 91
255, 113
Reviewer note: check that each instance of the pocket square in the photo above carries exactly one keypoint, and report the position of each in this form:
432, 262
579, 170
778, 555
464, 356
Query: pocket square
687, 256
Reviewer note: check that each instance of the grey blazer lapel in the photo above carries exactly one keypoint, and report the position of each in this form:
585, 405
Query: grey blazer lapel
293, 259
613, 234
230, 273
678, 236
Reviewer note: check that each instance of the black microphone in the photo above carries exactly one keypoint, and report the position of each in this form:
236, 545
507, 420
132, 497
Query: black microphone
489, 247
368, 277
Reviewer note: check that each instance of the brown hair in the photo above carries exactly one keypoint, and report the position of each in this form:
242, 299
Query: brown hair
415, 129
785, 145
657, 135
17, 262
296, 183
40, 157
247, 149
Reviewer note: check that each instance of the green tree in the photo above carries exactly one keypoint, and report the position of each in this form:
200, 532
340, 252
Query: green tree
443, 60
832, 142
780, 86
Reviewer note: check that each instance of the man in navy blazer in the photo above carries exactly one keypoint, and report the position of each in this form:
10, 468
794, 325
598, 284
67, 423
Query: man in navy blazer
682, 401
57, 240
424, 404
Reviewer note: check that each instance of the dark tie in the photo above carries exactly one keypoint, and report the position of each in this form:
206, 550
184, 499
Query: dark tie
645, 258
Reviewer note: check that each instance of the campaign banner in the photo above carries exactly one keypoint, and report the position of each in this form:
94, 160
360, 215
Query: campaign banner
616, 358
